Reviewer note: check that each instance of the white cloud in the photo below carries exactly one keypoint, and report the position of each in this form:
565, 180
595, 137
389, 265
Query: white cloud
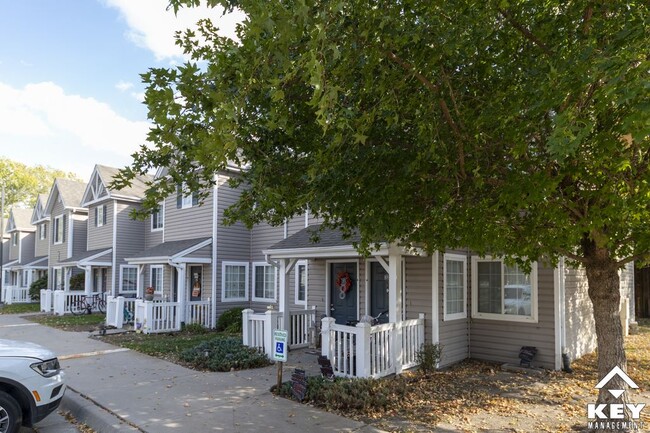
123, 86
41, 124
152, 25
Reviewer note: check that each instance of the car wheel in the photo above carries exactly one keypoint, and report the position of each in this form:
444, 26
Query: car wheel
11, 416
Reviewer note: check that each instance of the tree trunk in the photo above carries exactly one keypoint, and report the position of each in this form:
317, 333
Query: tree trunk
604, 292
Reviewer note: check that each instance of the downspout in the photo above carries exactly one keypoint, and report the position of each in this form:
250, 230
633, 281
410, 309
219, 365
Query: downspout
114, 288
215, 223
562, 286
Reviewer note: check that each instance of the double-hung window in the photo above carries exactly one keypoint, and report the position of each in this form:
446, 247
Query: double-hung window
185, 198
157, 218
455, 287
100, 215
234, 281
58, 230
128, 278
301, 283
14, 239
503, 292
42, 231
264, 282
156, 278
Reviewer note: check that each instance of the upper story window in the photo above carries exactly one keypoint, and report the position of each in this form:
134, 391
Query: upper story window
100, 215
455, 287
185, 198
158, 217
42, 231
58, 230
503, 292
301, 282
264, 282
14, 239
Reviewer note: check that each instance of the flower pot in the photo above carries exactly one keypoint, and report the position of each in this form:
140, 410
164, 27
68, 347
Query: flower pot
148, 296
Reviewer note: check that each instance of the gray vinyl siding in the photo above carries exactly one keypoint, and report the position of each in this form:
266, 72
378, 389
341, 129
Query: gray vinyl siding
27, 251
316, 288
627, 288
500, 341
14, 250
100, 237
262, 237
579, 318
41, 247
453, 334
80, 235
152, 238
129, 239
418, 291
58, 252
194, 222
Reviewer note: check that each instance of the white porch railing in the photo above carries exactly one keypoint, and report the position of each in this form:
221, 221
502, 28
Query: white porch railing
16, 295
372, 351
62, 300
257, 328
199, 312
46, 300
157, 316
116, 308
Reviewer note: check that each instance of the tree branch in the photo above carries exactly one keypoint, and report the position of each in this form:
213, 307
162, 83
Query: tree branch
641, 256
571, 255
527, 33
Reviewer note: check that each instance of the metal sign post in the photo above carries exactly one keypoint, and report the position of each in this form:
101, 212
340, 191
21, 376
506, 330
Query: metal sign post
280, 338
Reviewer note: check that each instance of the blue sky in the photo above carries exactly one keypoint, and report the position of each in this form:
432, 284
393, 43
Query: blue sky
70, 91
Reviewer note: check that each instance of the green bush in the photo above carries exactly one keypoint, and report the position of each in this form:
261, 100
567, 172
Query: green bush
195, 329
77, 282
224, 354
428, 357
36, 287
230, 320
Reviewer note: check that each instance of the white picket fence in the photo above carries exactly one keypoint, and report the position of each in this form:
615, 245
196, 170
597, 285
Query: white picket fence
62, 300
47, 299
257, 328
15, 295
199, 312
157, 316
372, 351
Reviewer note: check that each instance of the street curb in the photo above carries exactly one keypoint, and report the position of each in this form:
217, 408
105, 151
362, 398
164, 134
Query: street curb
96, 417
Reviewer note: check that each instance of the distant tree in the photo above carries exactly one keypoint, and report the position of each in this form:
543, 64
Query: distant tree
23, 183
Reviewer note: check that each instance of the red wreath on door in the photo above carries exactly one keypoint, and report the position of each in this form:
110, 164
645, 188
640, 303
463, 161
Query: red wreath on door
344, 281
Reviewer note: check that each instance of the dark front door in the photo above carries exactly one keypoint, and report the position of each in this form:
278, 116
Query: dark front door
343, 292
378, 291
196, 282
174, 284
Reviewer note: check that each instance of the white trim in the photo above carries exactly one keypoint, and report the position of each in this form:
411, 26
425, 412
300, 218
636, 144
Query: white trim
161, 218
246, 266
87, 261
213, 268
533, 318
70, 238
343, 251
557, 316
162, 278
435, 297
275, 283
55, 230
185, 198
328, 301
121, 287
191, 249
463, 314
99, 218
297, 282
188, 280
114, 255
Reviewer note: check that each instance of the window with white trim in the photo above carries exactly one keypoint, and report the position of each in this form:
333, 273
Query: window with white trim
57, 232
234, 281
503, 292
128, 278
264, 277
156, 278
14, 239
100, 215
57, 277
455, 287
42, 231
157, 218
301, 283
185, 198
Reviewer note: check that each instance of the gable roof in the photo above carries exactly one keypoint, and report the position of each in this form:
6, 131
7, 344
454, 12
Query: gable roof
99, 186
171, 250
70, 192
20, 220
325, 238
39, 215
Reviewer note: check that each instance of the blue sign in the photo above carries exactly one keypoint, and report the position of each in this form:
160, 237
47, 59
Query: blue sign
280, 343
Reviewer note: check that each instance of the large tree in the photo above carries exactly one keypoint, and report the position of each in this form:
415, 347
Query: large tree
510, 127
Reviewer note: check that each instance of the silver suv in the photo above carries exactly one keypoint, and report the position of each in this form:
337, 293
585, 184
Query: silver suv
31, 384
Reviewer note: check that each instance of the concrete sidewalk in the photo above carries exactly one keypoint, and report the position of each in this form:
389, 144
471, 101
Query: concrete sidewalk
117, 390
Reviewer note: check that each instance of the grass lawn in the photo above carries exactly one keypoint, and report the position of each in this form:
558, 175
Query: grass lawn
69, 322
33, 307
476, 396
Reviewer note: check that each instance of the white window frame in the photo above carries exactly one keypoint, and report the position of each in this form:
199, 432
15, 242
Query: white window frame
14, 239
122, 289
297, 282
99, 216
57, 271
161, 218
25, 278
533, 318
224, 265
157, 290
57, 225
186, 200
463, 314
42, 231
275, 282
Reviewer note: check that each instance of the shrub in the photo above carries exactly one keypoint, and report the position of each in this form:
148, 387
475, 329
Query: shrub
224, 354
36, 287
428, 357
77, 282
230, 320
195, 328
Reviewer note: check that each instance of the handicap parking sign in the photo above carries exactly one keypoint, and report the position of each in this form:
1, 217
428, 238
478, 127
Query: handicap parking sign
280, 344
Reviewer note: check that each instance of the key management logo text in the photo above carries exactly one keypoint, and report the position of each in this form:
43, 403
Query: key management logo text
597, 413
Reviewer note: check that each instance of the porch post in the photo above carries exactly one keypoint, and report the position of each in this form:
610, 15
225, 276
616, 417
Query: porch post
286, 265
182, 293
245, 326
395, 302
326, 323
362, 354
66, 278
138, 283
88, 283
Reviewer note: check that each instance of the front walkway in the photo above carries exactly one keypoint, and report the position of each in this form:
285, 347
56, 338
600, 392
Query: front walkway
161, 397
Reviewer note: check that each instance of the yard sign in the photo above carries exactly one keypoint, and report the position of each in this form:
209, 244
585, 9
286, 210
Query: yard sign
280, 345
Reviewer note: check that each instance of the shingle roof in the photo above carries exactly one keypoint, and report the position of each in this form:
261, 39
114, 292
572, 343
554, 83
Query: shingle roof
304, 239
168, 249
138, 184
84, 255
22, 218
71, 191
